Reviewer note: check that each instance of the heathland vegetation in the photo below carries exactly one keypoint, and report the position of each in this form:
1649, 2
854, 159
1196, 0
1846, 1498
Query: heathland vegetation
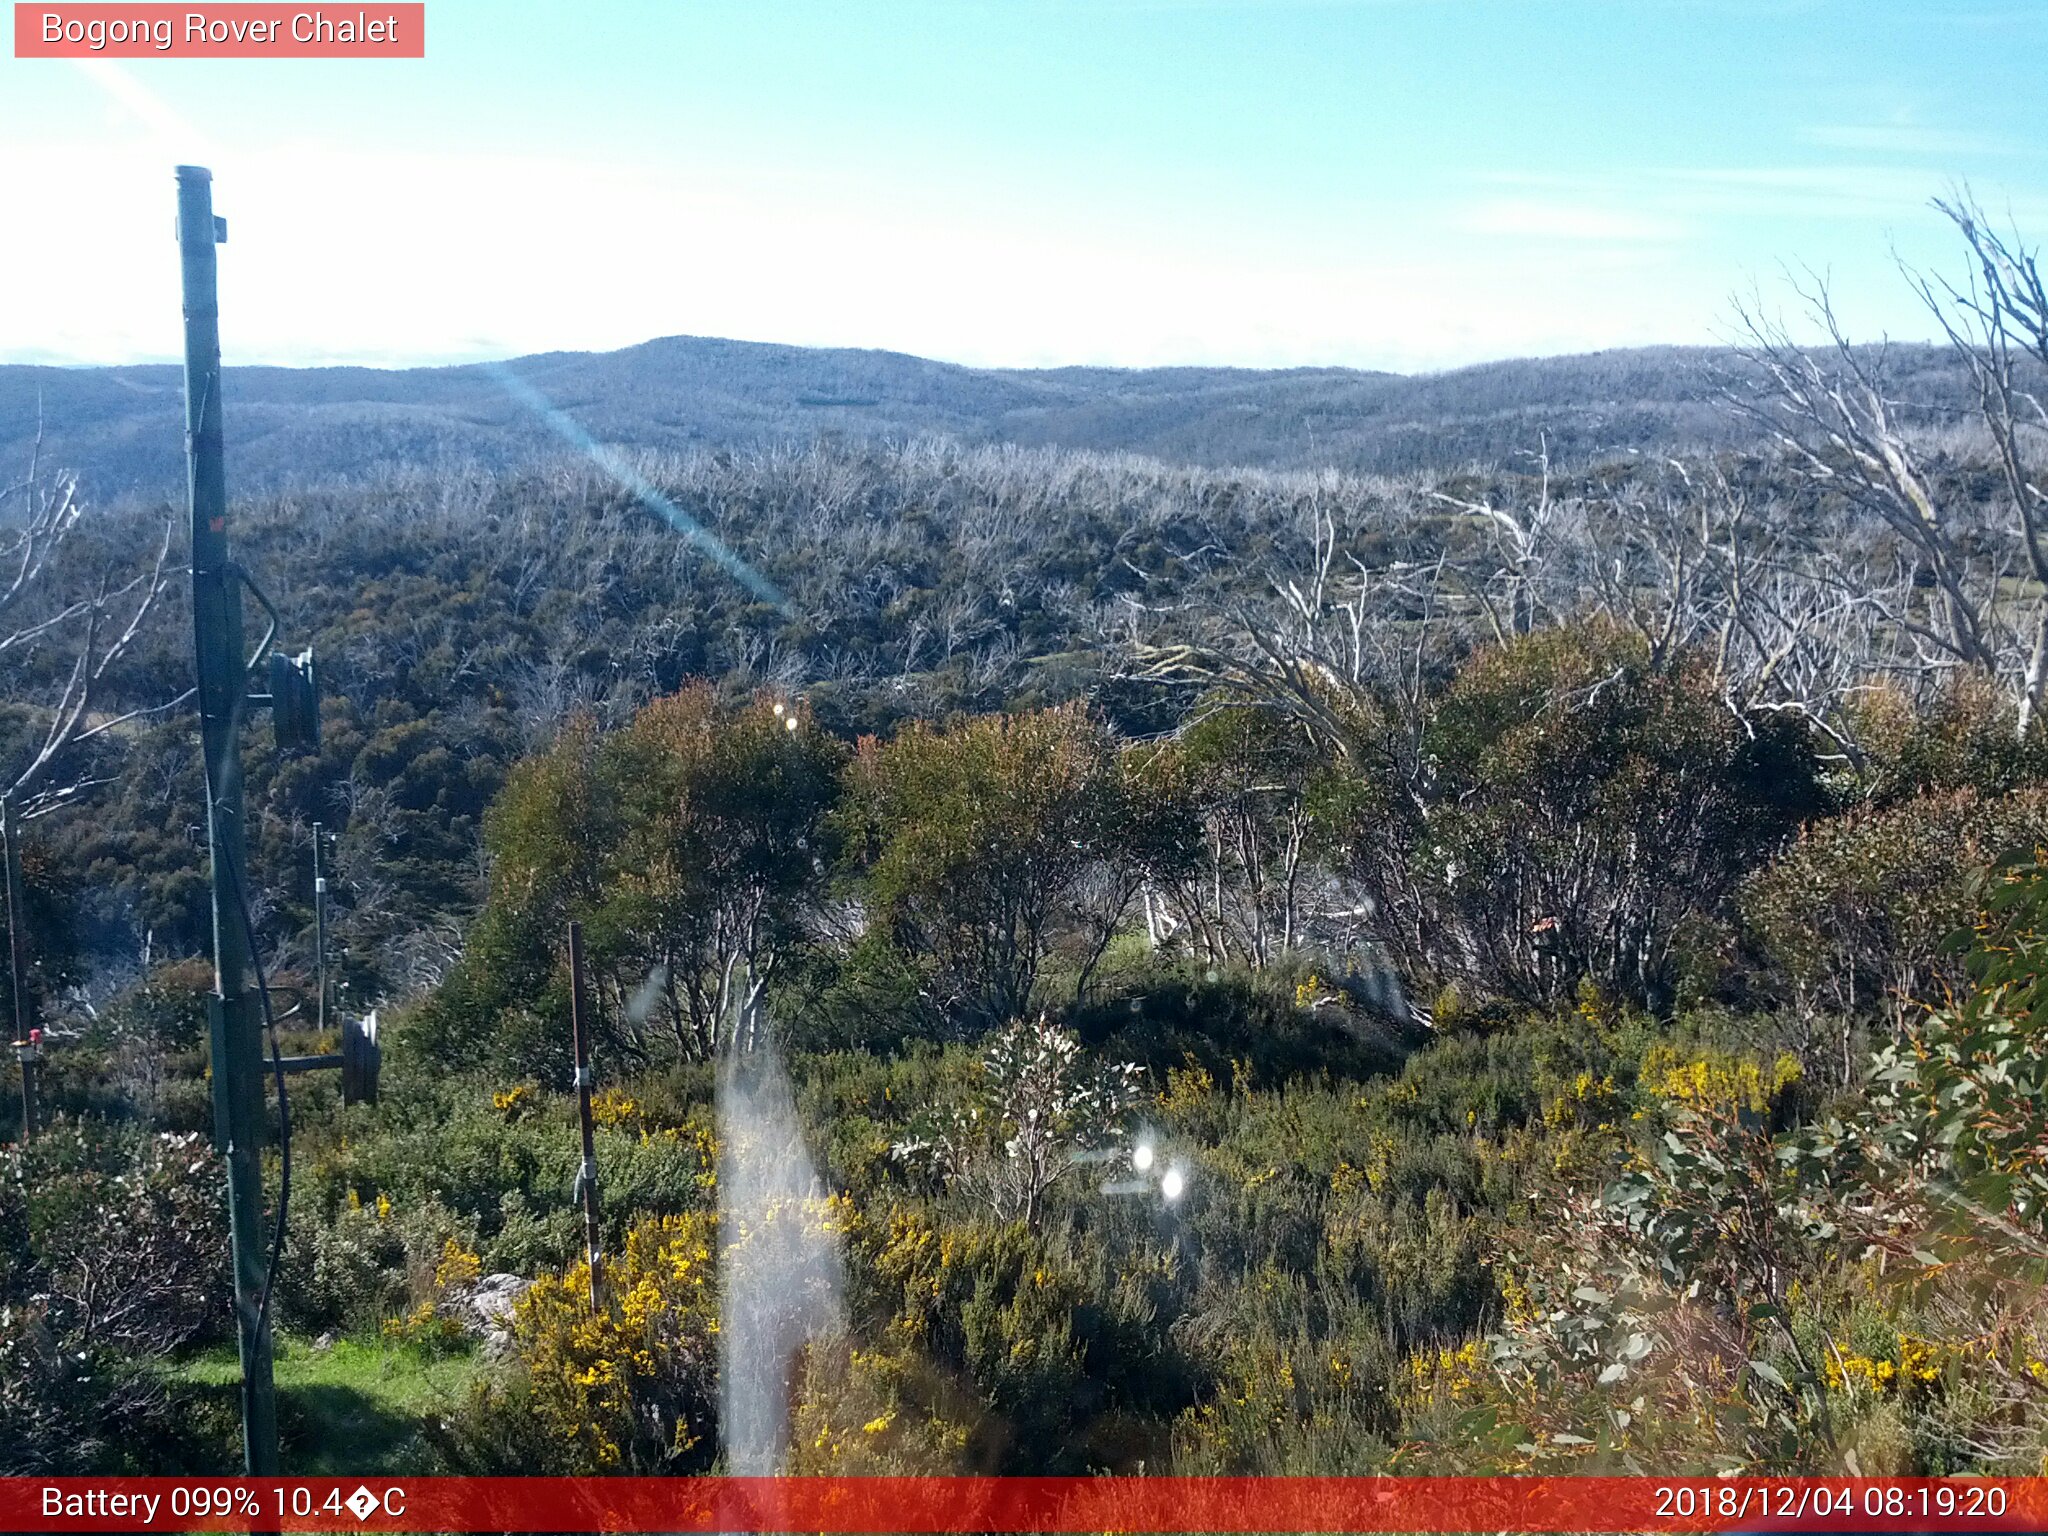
308, 426
1563, 929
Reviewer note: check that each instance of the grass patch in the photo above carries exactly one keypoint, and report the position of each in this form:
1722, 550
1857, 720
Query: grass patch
358, 1406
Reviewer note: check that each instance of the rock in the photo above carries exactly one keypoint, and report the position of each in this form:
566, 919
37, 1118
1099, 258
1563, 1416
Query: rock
324, 1342
493, 1298
488, 1310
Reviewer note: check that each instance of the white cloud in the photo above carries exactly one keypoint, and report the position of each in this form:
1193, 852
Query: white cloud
342, 257
339, 255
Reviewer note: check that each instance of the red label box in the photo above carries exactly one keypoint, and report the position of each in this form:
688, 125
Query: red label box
375, 30
1050, 1506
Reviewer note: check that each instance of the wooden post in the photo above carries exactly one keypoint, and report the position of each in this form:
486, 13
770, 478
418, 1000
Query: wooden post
586, 1180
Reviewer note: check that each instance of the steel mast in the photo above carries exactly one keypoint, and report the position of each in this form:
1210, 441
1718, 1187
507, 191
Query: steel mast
239, 1114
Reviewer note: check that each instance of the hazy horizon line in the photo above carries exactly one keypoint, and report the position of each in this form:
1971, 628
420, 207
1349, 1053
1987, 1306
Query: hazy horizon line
37, 358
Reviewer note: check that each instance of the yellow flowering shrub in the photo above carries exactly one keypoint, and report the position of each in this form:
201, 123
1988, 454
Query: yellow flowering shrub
631, 1387
867, 1412
424, 1327
1914, 1367
1443, 1375
1587, 1102
1188, 1087
1717, 1084
994, 1306
1277, 1410
458, 1269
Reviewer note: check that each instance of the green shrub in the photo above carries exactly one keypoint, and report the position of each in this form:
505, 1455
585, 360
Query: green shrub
167, 1009
1585, 799
1230, 1020
126, 1236
995, 1307
689, 844
972, 843
1966, 737
115, 1255
1302, 1381
1854, 915
363, 1264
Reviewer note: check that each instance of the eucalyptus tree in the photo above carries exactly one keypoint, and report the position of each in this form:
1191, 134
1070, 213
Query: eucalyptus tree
1960, 574
689, 845
71, 609
975, 844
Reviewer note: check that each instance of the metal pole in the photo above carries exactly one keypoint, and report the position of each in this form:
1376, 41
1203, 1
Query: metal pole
319, 932
238, 1108
586, 1179
28, 1054
17, 924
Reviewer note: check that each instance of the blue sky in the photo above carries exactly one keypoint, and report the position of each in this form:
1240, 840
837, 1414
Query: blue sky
1407, 184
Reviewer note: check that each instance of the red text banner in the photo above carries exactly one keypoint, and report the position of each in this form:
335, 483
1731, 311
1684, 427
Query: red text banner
239, 31
1024, 1504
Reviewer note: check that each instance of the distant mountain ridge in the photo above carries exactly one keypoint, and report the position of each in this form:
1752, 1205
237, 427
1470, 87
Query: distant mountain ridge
121, 428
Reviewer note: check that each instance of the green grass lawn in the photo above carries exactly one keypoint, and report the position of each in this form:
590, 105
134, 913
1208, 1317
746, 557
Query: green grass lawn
357, 1406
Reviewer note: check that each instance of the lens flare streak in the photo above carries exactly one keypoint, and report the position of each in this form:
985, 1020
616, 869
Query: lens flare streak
632, 480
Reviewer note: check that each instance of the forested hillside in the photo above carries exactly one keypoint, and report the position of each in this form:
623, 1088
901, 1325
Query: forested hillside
1528, 966
119, 427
